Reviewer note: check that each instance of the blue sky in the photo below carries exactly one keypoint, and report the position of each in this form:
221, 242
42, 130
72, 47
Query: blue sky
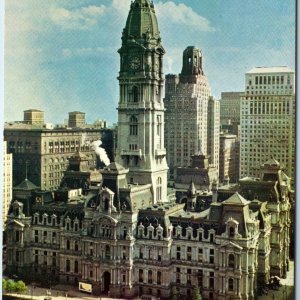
61, 55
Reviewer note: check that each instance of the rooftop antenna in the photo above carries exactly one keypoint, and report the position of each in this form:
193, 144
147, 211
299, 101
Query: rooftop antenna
26, 164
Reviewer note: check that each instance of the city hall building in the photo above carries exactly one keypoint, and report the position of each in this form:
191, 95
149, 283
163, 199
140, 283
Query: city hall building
125, 236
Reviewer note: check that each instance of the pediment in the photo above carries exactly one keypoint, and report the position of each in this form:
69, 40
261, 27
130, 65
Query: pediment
231, 245
15, 223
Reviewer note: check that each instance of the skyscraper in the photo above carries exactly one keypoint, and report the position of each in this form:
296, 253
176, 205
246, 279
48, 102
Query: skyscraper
7, 182
141, 109
186, 100
268, 119
213, 132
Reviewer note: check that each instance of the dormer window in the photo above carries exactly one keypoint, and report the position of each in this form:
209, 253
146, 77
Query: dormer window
141, 231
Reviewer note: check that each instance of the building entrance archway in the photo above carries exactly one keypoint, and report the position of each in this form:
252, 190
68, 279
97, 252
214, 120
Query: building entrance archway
106, 282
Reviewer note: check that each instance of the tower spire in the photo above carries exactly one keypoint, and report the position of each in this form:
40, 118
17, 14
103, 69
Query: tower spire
141, 108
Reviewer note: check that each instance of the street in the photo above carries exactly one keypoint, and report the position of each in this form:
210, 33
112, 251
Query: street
286, 291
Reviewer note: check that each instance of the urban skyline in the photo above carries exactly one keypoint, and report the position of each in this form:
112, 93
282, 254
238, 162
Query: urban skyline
124, 230
61, 53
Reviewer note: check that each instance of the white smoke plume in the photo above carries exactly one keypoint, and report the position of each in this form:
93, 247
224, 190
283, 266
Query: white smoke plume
100, 152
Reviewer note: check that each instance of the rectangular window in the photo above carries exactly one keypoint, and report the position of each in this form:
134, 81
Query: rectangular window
211, 256
177, 275
211, 280
178, 255
189, 254
36, 236
36, 256
200, 255
188, 277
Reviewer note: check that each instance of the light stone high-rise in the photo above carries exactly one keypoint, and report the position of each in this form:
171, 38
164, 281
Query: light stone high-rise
186, 100
268, 119
213, 132
7, 182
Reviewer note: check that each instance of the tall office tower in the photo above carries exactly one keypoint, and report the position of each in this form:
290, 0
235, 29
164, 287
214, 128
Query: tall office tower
186, 101
229, 158
7, 182
213, 132
268, 119
141, 109
230, 105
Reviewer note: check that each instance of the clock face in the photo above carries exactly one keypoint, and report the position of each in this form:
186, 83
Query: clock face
135, 63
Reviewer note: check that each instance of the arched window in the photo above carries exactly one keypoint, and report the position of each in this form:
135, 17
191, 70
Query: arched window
133, 125
76, 266
231, 232
106, 204
231, 261
67, 265
135, 94
158, 188
230, 284
150, 276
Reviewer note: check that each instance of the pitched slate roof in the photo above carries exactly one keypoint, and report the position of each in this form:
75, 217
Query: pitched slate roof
26, 185
236, 199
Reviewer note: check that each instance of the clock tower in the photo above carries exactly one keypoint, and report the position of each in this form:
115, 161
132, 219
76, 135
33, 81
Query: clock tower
140, 145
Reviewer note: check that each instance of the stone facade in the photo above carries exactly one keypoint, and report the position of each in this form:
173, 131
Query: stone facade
141, 121
7, 182
114, 238
213, 132
76, 119
200, 172
34, 116
230, 105
268, 120
192, 117
47, 151
229, 158
121, 238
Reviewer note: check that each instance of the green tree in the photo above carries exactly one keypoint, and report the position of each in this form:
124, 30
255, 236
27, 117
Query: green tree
10, 286
3, 284
21, 287
197, 295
